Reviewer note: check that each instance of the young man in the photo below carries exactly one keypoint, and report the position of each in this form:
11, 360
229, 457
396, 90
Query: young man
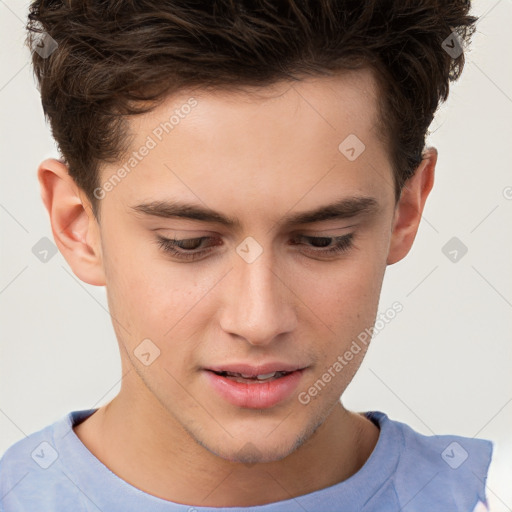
238, 175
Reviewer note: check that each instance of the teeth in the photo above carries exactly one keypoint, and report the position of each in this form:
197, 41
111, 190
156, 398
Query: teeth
259, 377
265, 376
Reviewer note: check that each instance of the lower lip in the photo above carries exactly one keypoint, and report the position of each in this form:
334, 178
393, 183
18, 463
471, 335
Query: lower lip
257, 395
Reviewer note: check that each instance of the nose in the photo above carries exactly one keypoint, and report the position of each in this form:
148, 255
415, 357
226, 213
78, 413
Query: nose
259, 304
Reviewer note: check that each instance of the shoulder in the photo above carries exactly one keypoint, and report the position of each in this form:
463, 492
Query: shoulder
32, 475
27, 455
439, 469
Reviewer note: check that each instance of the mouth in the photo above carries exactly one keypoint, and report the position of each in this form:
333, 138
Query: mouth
254, 387
251, 379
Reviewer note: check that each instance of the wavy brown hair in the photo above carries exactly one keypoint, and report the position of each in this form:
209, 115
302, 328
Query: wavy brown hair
118, 58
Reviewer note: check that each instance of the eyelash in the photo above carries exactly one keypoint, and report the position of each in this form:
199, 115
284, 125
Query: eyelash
168, 245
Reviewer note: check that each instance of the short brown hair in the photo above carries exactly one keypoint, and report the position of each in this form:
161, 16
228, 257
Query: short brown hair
119, 58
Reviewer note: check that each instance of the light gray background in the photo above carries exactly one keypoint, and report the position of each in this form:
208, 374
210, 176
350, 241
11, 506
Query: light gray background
442, 365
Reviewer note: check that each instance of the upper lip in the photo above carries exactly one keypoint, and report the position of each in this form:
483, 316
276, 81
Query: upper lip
253, 371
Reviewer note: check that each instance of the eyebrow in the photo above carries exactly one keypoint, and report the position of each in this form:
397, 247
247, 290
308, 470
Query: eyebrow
342, 209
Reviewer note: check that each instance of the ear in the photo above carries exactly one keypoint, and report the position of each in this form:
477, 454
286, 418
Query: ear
410, 207
75, 229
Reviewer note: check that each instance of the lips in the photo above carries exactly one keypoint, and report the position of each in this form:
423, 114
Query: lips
247, 370
243, 377
251, 386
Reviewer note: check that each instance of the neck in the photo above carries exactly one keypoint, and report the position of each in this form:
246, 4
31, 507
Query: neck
142, 444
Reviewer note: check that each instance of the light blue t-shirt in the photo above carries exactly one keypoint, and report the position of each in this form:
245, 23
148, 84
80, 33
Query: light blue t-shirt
52, 471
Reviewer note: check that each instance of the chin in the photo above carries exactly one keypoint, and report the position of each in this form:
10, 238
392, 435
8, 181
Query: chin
250, 449
250, 454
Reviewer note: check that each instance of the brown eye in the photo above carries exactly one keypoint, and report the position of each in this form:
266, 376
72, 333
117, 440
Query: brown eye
321, 241
189, 244
186, 249
193, 248
327, 245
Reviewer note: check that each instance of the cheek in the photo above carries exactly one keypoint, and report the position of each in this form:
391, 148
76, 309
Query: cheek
345, 304
154, 298
344, 296
141, 288
156, 302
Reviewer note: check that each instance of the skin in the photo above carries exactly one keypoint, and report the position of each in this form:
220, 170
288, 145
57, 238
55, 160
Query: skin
256, 157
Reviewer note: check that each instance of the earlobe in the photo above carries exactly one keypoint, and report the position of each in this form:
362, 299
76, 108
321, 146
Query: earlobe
410, 206
75, 229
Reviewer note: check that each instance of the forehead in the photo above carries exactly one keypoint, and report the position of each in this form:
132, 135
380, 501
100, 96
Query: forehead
344, 103
270, 144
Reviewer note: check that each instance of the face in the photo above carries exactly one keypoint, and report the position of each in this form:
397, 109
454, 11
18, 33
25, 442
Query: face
256, 278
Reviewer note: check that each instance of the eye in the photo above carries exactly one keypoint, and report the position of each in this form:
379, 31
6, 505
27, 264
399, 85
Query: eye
189, 249
327, 245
